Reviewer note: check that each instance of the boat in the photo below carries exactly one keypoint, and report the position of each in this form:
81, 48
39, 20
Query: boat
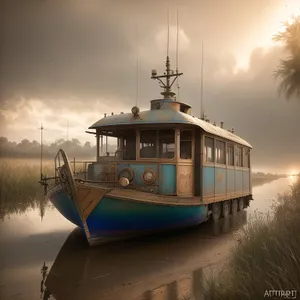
171, 170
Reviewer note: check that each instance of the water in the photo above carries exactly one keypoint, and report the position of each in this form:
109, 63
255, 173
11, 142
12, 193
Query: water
156, 267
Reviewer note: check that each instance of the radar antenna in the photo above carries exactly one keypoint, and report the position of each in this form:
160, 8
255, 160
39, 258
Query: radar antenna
167, 85
177, 58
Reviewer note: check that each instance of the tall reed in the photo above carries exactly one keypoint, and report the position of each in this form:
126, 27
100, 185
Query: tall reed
267, 258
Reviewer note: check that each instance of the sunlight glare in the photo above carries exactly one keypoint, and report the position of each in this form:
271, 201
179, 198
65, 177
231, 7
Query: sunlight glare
273, 23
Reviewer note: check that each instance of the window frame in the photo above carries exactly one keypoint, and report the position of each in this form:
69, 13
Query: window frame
205, 150
246, 158
239, 156
230, 146
180, 130
224, 152
157, 145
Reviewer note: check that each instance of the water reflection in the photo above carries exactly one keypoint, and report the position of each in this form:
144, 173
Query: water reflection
22, 205
134, 269
19, 188
106, 272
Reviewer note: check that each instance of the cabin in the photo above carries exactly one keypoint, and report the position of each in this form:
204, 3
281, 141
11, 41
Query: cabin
167, 151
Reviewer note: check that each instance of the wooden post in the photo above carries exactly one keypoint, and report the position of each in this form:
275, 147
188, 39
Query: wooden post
106, 140
101, 149
97, 138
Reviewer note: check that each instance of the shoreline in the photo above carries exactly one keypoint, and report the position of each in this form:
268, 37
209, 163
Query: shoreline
257, 181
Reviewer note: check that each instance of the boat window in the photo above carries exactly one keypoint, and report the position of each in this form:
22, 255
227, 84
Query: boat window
209, 149
246, 162
130, 147
107, 145
220, 152
148, 142
230, 155
166, 143
186, 144
127, 146
157, 143
239, 157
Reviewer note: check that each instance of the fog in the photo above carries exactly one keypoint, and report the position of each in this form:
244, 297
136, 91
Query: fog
66, 63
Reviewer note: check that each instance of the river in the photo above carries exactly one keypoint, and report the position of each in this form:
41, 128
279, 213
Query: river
155, 267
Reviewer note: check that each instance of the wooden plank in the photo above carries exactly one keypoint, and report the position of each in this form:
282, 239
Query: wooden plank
82, 193
93, 198
89, 197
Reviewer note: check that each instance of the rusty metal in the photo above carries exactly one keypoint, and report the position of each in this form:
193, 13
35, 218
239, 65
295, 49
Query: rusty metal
129, 171
153, 176
185, 180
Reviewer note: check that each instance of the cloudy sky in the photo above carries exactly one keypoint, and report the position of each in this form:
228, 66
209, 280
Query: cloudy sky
70, 61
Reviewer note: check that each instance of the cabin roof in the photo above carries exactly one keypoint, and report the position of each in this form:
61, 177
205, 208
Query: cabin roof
167, 116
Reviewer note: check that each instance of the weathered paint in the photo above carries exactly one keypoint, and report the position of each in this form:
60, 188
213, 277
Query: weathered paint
103, 167
113, 217
185, 179
64, 204
208, 181
167, 116
220, 180
167, 180
230, 181
238, 180
138, 170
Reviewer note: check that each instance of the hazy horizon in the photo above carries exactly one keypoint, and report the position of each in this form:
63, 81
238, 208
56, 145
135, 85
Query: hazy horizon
66, 63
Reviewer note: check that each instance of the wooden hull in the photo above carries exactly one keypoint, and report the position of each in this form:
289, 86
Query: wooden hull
117, 218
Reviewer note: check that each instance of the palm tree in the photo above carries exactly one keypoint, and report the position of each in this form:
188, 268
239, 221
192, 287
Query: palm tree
288, 70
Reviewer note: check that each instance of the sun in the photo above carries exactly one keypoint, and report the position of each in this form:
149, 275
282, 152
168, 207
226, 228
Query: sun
293, 172
273, 22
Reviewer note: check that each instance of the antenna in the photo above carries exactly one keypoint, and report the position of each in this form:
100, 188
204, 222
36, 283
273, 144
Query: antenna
201, 98
177, 57
41, 166
167, 86
137, 65
168, 38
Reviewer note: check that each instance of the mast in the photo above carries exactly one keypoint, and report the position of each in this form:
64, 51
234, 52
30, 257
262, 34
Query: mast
167, 85
177, 56
41, 165
137, 65
201, 97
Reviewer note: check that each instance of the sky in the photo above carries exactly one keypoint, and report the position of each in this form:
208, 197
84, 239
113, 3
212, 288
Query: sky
67, 62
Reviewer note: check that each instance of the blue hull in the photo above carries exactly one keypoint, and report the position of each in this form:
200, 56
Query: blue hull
118, 218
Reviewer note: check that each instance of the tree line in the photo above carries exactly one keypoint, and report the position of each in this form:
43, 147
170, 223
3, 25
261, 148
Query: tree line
32, 149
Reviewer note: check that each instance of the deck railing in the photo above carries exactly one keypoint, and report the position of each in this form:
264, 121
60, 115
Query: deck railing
80, 168
80, 171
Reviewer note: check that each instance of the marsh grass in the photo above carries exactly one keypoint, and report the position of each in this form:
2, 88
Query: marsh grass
267, 256
19, 187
